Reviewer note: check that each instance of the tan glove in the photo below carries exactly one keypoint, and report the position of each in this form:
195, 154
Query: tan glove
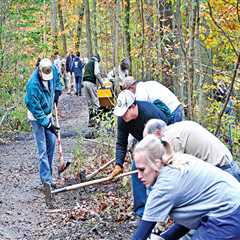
116, 171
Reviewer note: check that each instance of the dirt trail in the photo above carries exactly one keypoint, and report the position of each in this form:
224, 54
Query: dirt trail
78, 215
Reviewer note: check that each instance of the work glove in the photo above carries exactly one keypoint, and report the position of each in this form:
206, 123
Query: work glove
53, 129
56, 96
116, 171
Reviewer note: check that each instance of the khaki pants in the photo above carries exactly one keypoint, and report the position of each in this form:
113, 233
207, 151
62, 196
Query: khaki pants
90, 90
70, 81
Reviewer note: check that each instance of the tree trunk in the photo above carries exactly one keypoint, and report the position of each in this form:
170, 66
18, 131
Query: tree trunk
181, 52
167, 45
53, 5
199, 68
150, 38
79, 26
95, 37
191, 70
116, 23
88, 29
141, 12
62, 28
127, 32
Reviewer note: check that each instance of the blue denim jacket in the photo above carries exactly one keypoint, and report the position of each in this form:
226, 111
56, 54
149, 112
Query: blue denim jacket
38, 99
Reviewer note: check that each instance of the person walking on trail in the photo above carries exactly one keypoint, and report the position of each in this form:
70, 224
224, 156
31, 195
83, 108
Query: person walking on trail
119, 73
39, 100
132, 117
91, 76
77, 67
57, 61
194, 193
64, 74
155, 92
191, 138
70, 75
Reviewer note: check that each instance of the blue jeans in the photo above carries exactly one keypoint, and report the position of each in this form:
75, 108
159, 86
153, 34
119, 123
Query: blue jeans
219, 228
233, 169
178, 114
139, 193
78, 80
45, 141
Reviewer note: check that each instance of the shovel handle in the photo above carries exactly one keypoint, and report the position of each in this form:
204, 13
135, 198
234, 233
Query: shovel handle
89, 176
84, 184
59, 143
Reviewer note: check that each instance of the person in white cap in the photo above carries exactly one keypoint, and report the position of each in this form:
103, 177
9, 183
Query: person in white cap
158, 94
132, 117
39, 99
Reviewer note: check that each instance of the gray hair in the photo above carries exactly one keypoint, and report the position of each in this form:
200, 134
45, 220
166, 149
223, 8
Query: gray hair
154, 124
153, 149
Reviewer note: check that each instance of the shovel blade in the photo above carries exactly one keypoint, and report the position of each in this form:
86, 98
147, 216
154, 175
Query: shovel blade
48, 195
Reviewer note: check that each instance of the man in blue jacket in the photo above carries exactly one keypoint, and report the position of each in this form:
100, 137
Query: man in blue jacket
77, 67
132, 117
43, 89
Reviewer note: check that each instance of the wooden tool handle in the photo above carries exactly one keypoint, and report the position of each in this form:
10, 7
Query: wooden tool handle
84, 184
89, 176
59, 143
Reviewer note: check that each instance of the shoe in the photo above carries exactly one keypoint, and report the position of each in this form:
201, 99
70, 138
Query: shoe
53, 185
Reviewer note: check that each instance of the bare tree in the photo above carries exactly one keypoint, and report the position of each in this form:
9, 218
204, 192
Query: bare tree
127, 31
141, 13
79, 25
150, 33
190, 59
95, 37
88, 29
53, 7
62, 28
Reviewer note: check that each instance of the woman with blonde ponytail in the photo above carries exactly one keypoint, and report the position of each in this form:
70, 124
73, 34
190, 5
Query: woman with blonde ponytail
194, 193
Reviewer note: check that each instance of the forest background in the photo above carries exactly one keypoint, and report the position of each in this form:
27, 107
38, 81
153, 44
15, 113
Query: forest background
190, 46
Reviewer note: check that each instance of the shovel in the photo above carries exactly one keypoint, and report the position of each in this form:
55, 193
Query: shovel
63, 166
84, 177
49, 194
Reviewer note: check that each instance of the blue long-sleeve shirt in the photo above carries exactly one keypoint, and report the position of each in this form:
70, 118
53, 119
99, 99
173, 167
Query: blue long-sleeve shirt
38, 99
146, 111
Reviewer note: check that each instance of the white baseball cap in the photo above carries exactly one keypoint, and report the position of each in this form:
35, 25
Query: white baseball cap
125, 99
45, 66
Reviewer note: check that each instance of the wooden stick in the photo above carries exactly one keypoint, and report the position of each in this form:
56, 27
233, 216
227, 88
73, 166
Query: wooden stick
84, 184
89, 176
59, 143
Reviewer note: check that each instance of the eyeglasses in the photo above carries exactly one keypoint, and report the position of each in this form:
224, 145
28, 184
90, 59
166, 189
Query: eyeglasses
46, 70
